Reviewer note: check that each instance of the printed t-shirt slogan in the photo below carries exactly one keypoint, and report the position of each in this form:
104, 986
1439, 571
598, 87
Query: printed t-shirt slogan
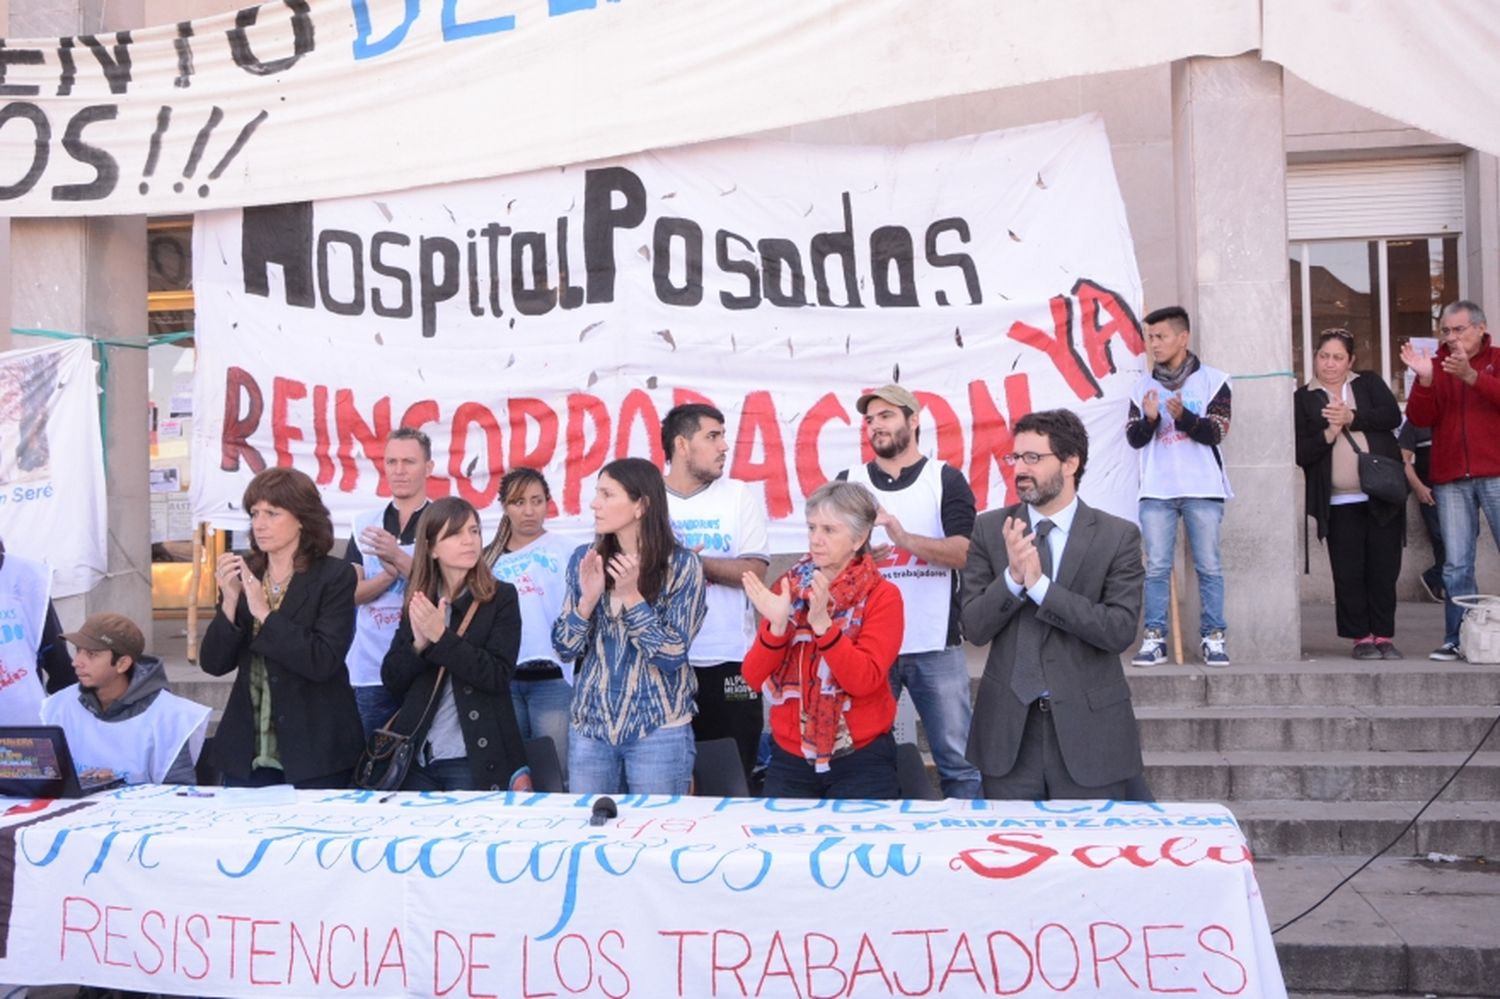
550, 319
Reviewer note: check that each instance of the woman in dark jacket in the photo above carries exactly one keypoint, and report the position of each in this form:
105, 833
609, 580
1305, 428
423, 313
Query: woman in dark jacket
460, 619
1364, 534
285, 623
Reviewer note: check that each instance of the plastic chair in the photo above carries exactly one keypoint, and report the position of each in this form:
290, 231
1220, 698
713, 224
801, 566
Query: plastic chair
718, 772
546, 768
911, 771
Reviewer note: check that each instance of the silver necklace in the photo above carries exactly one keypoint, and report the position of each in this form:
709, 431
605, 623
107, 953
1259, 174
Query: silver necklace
276, 587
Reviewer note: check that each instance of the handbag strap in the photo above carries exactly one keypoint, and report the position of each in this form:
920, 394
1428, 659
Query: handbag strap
1350, 438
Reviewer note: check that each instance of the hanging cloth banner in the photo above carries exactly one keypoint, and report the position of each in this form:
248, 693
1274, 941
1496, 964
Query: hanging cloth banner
552, 319
52, 462
311, 99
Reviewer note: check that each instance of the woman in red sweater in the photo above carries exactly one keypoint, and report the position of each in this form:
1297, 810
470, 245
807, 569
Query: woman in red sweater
830, 631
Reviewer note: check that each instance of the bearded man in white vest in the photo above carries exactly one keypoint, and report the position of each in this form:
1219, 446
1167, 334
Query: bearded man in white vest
380, 547
922, 538
1179, 415
120, 716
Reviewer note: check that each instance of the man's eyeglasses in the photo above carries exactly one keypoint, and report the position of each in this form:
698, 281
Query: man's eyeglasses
1453, 330
1027, 457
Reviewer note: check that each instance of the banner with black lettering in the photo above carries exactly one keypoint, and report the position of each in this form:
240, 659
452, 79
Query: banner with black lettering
52, 462
551, 319
312, 99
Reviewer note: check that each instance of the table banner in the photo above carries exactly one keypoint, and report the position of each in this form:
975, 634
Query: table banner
307, 99
473, 894
551, 319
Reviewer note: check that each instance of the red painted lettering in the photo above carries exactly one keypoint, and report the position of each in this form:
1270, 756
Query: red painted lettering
776, 948
681, 936
1041, 963
283, 392
950, 433
523, 413
624, 987
87, 931
810, 474
321, 443
583, 460
314, 962
758, 420
989, 943
867, 946
1228, 955
439, 937
476, 965
1003, 862
1058, 346
255, 952
353, 937
234, 439
161, 955
1102, 315
832, 964
472, 414
993, 439
352, 427
637, 407
399, 962
970, 967
717, 964
926, 936
1151, 956
1100, 958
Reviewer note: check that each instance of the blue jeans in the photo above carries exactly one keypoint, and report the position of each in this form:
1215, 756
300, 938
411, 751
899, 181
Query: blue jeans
867, 773
1458, 505
939, 686
1159, 532
440, 775
659, 762
544, 707
376, 705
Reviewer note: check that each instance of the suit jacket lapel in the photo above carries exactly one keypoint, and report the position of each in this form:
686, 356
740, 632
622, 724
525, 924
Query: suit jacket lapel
1077, 547
297, 592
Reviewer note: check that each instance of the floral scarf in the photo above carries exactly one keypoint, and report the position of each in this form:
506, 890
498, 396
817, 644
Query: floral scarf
805, 675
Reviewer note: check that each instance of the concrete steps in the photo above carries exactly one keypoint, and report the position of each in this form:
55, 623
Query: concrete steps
1314, 776
1403, 927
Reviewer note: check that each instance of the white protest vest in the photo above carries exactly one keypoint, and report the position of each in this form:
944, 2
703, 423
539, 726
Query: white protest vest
375, 622
25, 588
140, 749
1174, 465
539, 572
926, 589
714, 517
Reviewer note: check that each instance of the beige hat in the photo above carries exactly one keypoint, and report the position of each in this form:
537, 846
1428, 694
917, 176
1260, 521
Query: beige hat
893, 394
114, 632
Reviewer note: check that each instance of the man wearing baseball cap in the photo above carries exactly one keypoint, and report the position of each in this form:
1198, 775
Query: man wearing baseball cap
120, 716
922, 530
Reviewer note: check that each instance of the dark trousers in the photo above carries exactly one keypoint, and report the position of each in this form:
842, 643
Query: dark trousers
440, 775
1366, 559
269, 776
1041, 775
728, 708
868, 772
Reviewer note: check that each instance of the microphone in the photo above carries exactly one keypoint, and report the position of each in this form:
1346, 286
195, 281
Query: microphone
604, 810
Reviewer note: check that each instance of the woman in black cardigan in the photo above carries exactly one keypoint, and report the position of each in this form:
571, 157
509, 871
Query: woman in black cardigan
1365, 535
460, 619
285, 623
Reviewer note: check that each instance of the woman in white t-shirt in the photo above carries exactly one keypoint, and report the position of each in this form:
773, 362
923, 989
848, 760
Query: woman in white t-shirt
523, 554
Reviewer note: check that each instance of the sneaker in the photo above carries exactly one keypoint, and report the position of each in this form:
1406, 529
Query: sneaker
1214, 653
1366, 648
1153, 650
1446, 653
1388, 649
1432, 587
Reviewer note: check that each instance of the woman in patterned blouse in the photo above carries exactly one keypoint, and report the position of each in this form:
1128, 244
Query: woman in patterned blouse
633, 602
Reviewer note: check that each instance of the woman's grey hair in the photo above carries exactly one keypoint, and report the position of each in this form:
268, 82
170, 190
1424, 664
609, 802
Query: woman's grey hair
850, 502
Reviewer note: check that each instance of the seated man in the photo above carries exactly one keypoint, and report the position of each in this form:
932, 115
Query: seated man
119, 716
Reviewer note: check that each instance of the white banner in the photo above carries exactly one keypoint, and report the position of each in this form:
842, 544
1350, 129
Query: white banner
551, 319
52, 462
312, 99
334, 893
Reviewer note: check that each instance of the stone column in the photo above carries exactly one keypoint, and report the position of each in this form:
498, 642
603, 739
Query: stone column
1230, 163
89, 276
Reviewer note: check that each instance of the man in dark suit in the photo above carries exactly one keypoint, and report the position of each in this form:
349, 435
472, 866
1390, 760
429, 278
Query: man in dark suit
1055, 586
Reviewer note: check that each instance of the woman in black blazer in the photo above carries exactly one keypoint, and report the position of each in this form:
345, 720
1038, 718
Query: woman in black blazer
1365, 535
285, 623
458, 618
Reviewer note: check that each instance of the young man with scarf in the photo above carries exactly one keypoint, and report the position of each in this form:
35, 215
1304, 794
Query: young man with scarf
1179, 415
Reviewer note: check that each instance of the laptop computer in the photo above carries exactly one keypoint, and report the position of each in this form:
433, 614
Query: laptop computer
35, 763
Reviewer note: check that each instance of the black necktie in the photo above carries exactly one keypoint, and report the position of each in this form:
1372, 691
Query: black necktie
1026, 678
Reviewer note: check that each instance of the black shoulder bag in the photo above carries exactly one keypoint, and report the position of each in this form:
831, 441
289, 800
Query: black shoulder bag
1380, 477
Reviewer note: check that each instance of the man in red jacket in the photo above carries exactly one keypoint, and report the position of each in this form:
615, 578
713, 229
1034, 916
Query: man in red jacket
1457, 394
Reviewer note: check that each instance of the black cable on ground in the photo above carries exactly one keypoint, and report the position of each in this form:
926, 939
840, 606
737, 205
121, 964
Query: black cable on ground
1404, 829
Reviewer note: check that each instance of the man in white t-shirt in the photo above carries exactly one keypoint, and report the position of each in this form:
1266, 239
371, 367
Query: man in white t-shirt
120, 716
380, 547
724, 521
922, 533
